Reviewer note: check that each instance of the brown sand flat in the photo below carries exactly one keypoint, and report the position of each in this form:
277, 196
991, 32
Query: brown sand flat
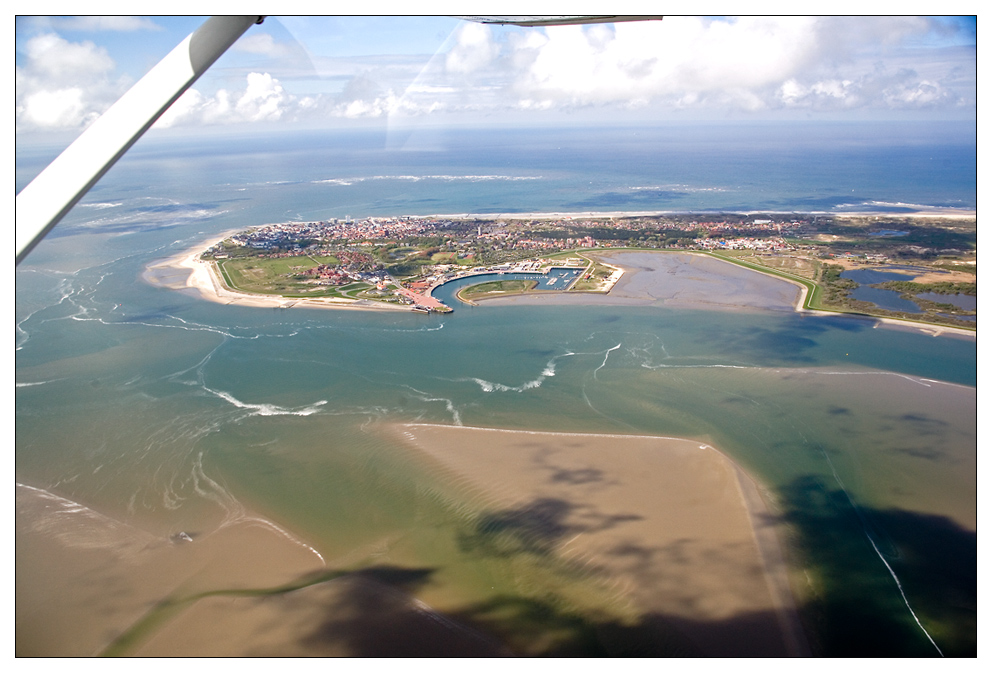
83, 579
665, 521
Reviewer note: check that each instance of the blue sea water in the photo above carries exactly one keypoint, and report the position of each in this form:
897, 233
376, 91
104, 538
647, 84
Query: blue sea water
705, 167
168, 412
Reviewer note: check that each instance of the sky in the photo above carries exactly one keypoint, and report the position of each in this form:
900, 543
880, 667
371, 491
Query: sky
296, 71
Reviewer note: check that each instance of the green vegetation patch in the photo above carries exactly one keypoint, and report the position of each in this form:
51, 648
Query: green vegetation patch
281, 275
397, 254
909, 287
495, 288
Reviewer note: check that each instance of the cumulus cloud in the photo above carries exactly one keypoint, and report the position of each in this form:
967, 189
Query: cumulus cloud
746, 64
263, 99
751, 63
59, 61
473, 50
63, 84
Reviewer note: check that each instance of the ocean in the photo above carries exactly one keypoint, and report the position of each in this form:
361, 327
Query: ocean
161, 411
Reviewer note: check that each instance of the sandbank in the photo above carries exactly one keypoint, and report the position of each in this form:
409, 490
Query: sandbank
92, 577
674, 529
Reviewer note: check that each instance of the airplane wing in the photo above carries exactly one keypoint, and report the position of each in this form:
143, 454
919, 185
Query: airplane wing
40, 205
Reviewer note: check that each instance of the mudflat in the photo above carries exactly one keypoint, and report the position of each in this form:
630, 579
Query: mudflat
679, 280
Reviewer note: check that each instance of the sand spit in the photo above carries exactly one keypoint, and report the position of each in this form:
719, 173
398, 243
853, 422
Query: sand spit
677, 529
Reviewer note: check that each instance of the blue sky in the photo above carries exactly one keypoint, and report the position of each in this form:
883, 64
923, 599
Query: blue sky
334, 72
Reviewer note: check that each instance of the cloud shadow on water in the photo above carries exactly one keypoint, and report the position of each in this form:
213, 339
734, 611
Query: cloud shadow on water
857, 609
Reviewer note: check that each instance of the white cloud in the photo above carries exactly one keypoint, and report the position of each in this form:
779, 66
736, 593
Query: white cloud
63, 84
263, 99
674, 60
473, 51
59, 109
55, 59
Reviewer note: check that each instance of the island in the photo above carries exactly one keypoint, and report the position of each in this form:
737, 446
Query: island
917, 268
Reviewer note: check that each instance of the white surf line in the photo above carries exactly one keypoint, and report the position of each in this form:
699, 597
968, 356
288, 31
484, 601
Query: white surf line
559, 434
605, 358
265, 523
875, 547
925, 382
585, 395
449, 405
235, 511
35, 383
267, 409
548, 371
902, 593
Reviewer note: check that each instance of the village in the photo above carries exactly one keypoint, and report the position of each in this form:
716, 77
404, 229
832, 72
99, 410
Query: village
478, 241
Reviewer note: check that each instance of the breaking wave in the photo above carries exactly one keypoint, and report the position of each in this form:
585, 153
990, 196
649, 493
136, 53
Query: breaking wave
344, 182
268, 409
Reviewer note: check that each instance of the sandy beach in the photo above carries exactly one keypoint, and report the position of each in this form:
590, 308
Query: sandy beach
671, 527
948, 213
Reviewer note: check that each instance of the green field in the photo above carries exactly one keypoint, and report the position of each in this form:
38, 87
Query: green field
282, 276
495, 288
